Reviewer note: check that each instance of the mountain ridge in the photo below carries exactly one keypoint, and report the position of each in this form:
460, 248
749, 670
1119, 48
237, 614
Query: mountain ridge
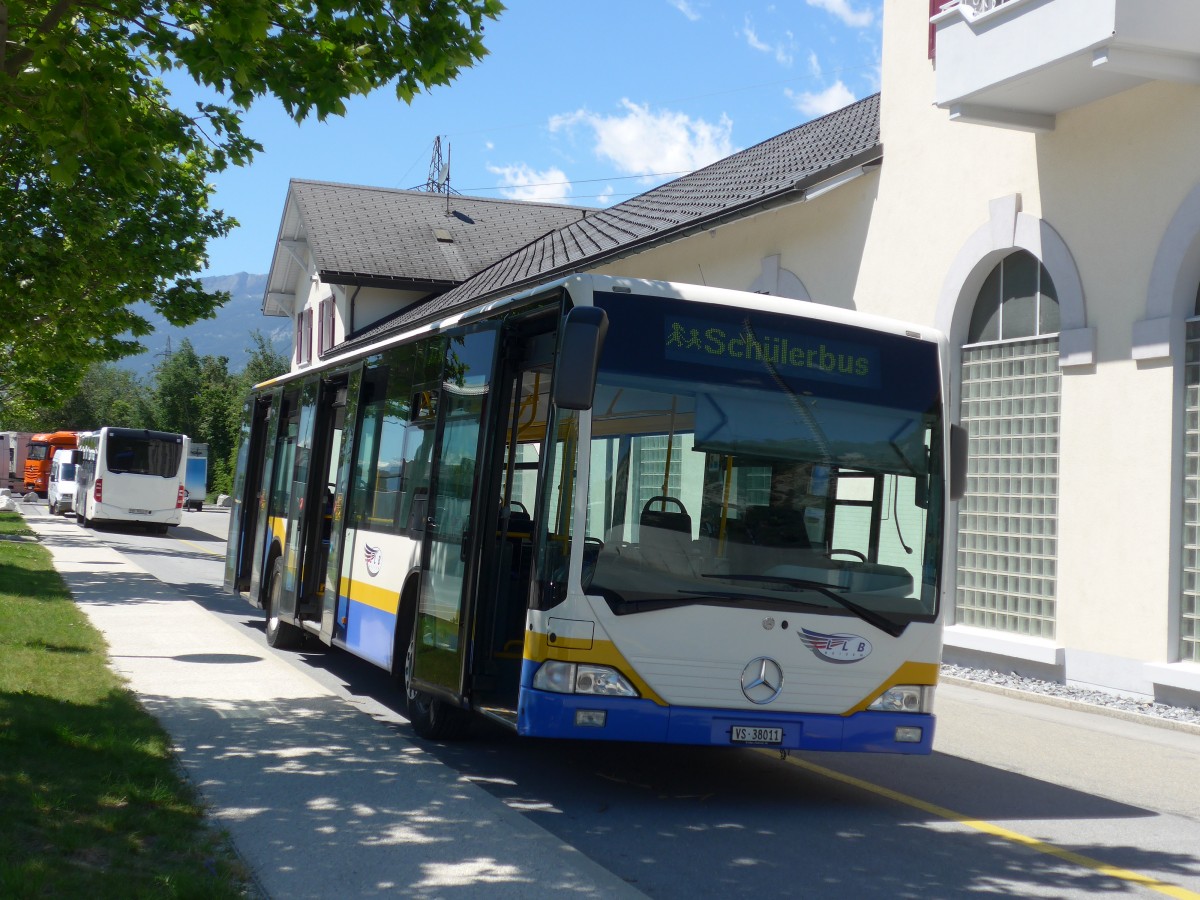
227, 334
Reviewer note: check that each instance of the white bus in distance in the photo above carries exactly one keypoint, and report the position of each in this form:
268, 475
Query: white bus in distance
131, 475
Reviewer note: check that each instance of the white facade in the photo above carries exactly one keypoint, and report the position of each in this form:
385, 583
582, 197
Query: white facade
322, 315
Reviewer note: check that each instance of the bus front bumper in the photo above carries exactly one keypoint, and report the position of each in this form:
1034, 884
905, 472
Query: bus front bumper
577, 716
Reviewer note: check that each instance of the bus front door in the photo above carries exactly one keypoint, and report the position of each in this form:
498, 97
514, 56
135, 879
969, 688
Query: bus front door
452, 533
522, 398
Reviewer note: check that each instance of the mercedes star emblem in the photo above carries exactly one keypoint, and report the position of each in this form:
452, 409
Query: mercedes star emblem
762, 680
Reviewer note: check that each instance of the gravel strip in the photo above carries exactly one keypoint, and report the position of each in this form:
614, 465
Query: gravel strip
1147, 711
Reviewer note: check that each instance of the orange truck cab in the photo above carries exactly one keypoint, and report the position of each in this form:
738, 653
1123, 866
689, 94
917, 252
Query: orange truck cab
42, 448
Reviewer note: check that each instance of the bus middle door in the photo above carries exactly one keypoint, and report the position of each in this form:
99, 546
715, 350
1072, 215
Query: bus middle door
317, 490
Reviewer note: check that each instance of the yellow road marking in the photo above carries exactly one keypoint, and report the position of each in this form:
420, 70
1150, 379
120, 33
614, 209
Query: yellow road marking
1171, 890
201, 549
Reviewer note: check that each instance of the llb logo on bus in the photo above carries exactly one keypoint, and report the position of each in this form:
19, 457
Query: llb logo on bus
836, 648
373, 559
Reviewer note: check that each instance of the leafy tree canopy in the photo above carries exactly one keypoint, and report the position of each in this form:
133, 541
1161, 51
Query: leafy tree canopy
104, 182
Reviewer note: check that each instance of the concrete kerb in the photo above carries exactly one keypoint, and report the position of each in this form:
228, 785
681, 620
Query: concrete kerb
1077, 705
319, 799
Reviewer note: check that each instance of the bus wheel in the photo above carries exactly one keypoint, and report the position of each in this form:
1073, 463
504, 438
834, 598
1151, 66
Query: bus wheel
280, 634
432, 719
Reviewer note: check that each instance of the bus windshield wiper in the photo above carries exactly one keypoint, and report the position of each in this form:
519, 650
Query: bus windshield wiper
692, 598
883, 623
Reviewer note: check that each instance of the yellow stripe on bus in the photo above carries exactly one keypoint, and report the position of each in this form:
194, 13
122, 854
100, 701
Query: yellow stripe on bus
602, 653
386, 599
908, 673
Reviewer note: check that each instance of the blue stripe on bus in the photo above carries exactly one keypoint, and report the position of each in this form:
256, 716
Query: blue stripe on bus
550, 715
369, 632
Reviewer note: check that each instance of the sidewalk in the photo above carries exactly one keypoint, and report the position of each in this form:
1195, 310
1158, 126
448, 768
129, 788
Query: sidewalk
320, 799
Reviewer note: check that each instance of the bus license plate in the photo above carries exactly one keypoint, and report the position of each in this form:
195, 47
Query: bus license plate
139, 512
745, 734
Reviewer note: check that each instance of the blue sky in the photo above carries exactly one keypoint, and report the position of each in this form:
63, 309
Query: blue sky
583, 103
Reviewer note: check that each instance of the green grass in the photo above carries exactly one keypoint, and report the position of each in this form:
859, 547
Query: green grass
93, 802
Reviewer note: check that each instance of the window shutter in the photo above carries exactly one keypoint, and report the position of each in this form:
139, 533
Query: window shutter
308, 335
325, 327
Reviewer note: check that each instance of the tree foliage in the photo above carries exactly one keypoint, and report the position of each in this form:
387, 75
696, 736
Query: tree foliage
104, 182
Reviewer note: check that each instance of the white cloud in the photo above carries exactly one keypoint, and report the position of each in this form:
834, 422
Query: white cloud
814, 64
686, 8
843, 10
752, 38
834, 97
522, 182
641, 142
782, 50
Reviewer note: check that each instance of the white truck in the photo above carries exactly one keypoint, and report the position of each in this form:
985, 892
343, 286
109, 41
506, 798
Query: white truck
60, 489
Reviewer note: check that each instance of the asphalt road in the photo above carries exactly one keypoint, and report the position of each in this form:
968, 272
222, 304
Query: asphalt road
1018, 799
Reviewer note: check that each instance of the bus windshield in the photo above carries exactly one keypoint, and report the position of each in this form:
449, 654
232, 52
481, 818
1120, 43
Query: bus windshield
137, 453
756, 459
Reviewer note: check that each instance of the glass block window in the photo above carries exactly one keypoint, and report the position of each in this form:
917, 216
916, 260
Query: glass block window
1008, 519
1189, 630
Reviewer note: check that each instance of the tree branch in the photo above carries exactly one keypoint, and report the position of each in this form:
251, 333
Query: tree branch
3, 33
56, 14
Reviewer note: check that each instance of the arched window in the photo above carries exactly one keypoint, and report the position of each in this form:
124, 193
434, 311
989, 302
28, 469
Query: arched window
1008, 520
1016, 301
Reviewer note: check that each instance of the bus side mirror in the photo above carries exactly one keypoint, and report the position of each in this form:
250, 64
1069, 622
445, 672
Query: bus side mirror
958, 462
579, 349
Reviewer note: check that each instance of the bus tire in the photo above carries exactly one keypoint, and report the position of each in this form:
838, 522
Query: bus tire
432, 719
280, 634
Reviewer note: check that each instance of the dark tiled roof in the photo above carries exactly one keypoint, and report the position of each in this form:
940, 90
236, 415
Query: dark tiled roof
773, 172
379, 234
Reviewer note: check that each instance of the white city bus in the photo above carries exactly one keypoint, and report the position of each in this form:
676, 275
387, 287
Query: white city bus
617, 509
131, 475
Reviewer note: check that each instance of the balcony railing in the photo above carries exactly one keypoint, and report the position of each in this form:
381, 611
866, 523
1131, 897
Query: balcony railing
1019, 63
977, 6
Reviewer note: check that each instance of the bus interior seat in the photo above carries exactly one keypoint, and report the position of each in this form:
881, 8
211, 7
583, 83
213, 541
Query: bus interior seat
514, 529
520, 523
665, 536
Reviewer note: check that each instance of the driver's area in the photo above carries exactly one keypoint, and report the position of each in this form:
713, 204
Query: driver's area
680, 522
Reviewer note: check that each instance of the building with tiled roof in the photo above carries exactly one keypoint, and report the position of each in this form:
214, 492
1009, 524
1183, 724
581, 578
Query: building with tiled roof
351, 256
801, 163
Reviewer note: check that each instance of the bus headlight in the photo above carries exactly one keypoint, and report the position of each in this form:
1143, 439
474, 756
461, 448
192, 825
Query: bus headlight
578, 678
905, 698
